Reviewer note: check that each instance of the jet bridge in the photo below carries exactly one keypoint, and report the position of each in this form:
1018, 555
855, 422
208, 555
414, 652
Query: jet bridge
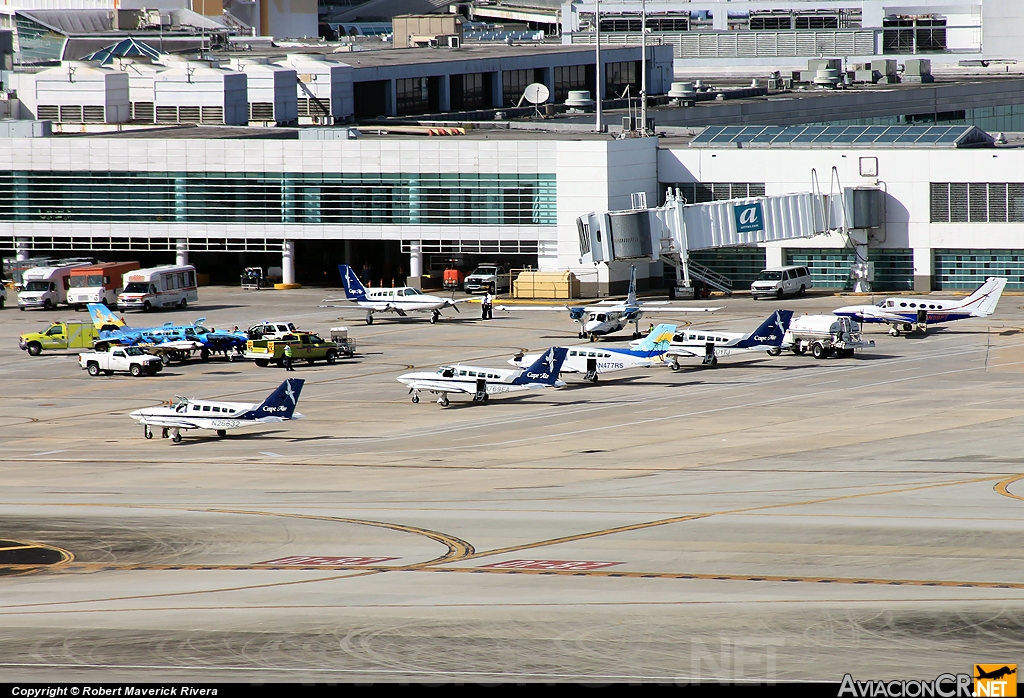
668, 233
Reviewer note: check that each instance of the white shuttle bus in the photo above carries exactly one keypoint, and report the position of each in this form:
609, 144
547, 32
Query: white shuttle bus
159, 287
45, 287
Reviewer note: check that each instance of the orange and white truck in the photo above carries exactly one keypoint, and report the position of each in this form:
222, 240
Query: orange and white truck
98, 283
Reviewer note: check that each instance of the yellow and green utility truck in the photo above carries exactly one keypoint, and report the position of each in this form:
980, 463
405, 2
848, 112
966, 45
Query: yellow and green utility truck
73, 334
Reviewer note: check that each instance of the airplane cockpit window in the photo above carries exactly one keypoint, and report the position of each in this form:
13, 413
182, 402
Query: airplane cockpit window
601, 317
413, 292
448, 372
887, 304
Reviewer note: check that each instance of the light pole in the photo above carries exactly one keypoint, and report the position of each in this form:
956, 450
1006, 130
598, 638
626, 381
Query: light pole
643, 67
597, 79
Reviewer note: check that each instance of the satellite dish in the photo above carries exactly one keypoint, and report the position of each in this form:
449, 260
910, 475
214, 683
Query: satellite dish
536, 93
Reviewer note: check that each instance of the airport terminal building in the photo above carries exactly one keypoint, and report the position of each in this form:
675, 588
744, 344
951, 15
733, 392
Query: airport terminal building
953, 209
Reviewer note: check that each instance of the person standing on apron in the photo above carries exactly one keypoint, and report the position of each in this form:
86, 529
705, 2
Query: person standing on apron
288, 357
485, 307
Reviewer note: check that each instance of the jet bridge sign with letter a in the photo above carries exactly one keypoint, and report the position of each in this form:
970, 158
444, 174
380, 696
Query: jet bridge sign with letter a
749, 217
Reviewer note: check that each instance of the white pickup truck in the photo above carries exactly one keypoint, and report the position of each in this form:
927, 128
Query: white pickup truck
130, 359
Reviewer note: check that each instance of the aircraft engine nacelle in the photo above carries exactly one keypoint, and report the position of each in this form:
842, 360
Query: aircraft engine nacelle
577, 313
632, 315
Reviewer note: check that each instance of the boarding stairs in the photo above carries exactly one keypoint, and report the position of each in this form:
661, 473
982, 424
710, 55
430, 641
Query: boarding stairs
709, 277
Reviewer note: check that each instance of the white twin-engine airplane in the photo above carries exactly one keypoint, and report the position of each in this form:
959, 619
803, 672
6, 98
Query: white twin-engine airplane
402, 300
593, 362
183, 414
910, 312
710, 345
608, 317
481, 383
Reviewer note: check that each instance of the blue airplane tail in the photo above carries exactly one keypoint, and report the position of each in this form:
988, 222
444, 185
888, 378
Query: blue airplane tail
281, 403
658, 339
545, 369
770, 332
103, 317
354, 289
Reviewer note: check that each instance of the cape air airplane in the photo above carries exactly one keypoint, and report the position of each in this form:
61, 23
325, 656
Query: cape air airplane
909, 312
593, 362
181, 414
402, 300
481, 383
710, 345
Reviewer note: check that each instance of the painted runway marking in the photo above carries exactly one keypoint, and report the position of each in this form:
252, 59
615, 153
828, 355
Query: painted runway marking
271, 453
823, 383
320, 561
573, 565
47, 453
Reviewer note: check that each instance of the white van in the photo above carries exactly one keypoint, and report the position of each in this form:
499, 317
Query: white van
781, 281
45, 287
159, 287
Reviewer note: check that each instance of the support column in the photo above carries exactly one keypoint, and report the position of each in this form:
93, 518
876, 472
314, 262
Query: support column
720, 19
181, 252
774, 256
21, 247
348, 252
287, 266
415, 265
497, 90
924, 269
391, 98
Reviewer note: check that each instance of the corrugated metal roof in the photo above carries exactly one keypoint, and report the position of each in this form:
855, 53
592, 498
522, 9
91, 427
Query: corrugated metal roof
384, 10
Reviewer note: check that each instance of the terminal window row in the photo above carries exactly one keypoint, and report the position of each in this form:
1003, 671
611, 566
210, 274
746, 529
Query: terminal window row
301, 198
703, 192
977, 202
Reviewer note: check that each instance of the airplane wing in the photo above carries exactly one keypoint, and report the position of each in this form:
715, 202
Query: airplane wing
437, 387
683, 351
172, 423
677, 309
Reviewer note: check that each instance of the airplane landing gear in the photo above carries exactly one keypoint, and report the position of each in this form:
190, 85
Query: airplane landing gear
894, 331
176, 436
222, 433
674, 365
593, 337
369, 318
710, 360
166, 432
592, 377
582, 334
443, 400
434, 315
415, 398
147, 432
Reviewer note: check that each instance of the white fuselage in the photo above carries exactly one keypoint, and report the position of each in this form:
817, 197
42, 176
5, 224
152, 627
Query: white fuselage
604, 360
694, 344
469, 379
201, 414
405, 299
